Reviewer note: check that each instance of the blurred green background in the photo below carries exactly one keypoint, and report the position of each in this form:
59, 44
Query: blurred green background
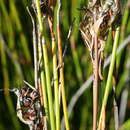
16, 63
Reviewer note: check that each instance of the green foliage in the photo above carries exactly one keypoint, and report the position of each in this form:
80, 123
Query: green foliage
16, 64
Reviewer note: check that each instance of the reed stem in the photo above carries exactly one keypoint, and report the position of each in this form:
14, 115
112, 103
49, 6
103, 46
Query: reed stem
46, 65
95, 84
61, 64
109, 78
55, 74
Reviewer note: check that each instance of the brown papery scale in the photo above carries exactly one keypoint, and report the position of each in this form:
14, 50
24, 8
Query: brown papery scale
94, 27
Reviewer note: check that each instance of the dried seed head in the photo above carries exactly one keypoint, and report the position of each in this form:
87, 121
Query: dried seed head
96, 21
99, 18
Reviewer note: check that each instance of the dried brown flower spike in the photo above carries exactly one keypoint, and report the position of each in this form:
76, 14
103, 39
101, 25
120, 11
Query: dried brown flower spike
97, 20
94, 30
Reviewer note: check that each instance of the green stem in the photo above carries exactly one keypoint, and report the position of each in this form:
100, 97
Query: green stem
49, 91
43, 86
44, 93
110, 73
55, 74
62, 68
56, 86
47, 71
